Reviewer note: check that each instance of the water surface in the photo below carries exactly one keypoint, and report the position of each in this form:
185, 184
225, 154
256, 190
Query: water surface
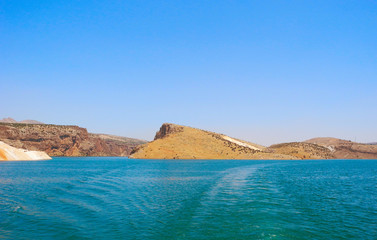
119, 198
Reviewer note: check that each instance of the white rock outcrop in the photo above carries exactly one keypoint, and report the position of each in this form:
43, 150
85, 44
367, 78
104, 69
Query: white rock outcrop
243, 144
9, 153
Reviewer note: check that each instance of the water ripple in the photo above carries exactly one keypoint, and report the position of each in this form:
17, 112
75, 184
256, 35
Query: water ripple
117, 198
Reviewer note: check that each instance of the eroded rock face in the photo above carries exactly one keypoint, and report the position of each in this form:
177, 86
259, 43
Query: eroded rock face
58, 140
167, 129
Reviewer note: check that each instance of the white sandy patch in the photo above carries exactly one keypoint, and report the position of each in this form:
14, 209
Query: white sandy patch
331, 148
16, 154
241, 143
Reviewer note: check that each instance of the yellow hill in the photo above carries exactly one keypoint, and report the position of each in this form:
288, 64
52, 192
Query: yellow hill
179, 142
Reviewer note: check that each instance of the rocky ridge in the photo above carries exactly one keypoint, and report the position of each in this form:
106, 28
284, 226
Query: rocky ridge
344, 149
60, 140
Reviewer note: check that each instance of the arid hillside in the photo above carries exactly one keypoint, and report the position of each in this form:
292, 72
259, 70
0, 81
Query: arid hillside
302, 150
59, 140
179, 142
171, 142
343, 149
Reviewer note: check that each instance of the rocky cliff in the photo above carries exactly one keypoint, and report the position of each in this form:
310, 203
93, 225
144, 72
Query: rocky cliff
168, 129
180, 142
343, 149
9, 153
58, 140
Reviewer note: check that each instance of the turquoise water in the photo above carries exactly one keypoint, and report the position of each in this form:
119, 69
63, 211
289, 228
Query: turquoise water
119, 198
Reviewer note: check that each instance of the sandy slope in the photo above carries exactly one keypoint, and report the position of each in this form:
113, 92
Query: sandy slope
15, 154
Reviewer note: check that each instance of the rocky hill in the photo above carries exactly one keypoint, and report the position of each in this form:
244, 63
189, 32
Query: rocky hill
344, 149
9, 153
59, 140
180, 142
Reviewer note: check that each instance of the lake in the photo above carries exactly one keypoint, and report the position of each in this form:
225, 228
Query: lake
120, 198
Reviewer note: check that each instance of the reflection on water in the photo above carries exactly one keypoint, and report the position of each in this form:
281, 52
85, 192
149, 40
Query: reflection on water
118, 198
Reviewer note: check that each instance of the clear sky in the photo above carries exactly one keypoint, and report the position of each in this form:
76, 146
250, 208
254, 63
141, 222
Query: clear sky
263, 71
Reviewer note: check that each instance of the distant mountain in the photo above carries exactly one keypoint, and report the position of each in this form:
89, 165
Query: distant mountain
113, 138
60, 140
11, 120
30, 122
8, 120
345, 149
373, 143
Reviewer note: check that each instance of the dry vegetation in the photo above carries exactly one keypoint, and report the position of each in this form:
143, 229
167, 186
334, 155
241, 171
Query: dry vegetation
302, 150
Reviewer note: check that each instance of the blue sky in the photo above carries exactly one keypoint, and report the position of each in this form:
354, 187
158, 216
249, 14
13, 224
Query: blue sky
263, 71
